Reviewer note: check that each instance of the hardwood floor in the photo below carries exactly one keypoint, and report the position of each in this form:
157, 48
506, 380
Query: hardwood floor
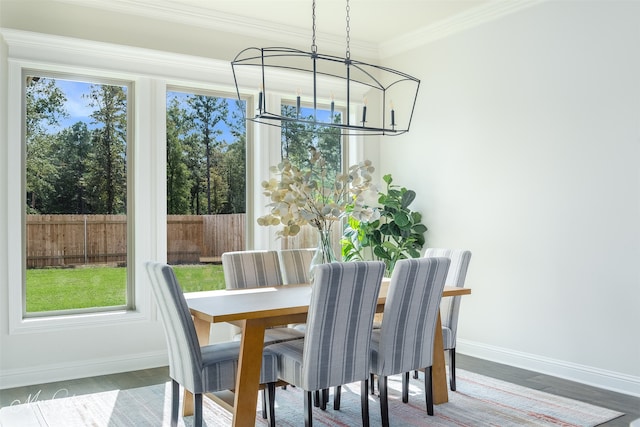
616, 401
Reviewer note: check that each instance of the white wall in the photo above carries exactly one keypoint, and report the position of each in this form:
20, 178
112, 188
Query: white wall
525, 149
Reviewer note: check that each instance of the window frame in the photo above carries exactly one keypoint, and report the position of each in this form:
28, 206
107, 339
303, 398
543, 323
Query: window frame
130, 304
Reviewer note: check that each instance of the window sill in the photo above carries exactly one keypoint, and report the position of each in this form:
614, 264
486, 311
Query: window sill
74, 321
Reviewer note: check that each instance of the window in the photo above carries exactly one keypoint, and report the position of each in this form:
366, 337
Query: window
297, 139
206, 185
76, 137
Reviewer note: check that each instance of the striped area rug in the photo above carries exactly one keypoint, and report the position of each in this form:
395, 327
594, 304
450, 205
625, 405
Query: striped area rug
478, 401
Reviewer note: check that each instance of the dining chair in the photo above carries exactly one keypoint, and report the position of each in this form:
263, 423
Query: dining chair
405, 340
295, 264
450, 307
343, 301
199, 369
253, 269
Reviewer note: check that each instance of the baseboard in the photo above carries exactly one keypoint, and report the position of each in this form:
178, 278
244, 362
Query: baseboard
601, 378
81, 369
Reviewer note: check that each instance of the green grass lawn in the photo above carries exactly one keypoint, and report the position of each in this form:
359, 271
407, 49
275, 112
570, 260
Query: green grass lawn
53, 289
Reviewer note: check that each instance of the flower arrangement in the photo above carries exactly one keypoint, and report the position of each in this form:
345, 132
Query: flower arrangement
311, 196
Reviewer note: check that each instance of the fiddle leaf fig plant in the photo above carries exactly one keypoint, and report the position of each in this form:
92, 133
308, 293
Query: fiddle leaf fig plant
397, 234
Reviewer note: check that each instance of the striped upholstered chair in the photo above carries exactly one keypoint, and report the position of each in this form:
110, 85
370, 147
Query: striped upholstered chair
198, 369
405, 340
253, 269
295, 264
450, 307
343, 301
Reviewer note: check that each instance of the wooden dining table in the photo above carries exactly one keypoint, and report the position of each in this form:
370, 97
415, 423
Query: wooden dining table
259, 308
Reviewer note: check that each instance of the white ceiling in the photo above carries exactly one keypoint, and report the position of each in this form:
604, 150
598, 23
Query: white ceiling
377, 27
374, 21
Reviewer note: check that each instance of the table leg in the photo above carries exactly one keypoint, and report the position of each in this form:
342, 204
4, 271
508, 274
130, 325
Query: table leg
439, 372
203, 329
248, 380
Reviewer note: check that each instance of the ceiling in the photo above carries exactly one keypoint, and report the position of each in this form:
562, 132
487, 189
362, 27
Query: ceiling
378, 28
375, 21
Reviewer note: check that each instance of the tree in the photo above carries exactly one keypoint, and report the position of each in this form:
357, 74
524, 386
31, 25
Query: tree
178, 182
45, 107
298, 138
71, 149
234, 163
207, 112
106, 178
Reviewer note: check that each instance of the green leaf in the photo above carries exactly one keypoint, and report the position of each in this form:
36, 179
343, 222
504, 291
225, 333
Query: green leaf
393, 228
387, 178
414, 253
381, 253
394, 194
407, 198
390, 247
402, 219
419, 228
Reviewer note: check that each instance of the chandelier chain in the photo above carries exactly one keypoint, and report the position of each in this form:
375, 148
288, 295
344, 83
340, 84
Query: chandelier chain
348, 53
314, 48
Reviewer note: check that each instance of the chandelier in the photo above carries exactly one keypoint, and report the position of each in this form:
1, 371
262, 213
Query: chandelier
375, 100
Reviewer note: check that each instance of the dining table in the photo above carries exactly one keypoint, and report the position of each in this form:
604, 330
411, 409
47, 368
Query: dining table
256, 309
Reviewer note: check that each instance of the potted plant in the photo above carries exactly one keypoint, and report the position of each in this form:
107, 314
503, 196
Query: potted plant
397, 234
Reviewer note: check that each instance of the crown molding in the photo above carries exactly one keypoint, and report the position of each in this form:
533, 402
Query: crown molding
34, 49
262, 29
225, 22
447, 27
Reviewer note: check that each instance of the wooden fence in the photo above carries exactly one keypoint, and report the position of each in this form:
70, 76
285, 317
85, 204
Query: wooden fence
62, 240
67, 240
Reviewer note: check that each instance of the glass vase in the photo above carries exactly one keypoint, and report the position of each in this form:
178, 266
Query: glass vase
324, 252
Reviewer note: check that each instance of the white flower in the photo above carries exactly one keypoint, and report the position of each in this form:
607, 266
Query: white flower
300, 197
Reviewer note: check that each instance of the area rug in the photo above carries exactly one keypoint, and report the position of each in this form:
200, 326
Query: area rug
478, 401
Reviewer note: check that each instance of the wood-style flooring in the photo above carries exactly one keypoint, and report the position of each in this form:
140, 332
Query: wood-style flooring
608, 399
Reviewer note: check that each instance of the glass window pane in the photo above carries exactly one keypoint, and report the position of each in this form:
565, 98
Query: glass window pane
297, 138
76, 195
206, 185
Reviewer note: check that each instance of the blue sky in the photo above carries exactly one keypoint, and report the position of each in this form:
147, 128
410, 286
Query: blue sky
76, 106
79, 110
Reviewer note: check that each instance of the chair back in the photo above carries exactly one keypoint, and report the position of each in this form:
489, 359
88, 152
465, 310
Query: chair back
450, 307
338, 337
295, 264
251, 269
185, 358
410, 314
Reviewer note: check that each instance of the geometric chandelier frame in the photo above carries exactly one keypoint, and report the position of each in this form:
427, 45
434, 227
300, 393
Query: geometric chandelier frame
386, 107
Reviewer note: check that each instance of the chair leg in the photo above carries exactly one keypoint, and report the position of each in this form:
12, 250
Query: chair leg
384, 403
405, 387
364, 402
316, 398
337, 392
198, 409
324, 398
452, 369
428, 389
373, 384
264, 404
175, 402
271, 399
308, 408
415, 374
